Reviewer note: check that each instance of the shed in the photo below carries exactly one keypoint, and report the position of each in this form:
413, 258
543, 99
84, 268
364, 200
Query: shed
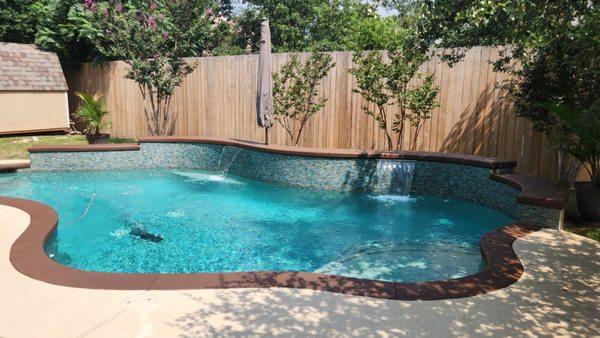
33, 91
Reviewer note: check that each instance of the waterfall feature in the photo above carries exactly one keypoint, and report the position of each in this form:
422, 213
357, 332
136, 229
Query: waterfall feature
394, 177
228, 155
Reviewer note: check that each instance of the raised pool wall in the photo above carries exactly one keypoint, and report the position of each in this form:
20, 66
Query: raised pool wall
434, 175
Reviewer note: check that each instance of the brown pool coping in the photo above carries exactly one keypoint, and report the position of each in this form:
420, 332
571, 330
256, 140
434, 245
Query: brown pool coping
486, 162
85, 148
535, 191
479, 161
27, 255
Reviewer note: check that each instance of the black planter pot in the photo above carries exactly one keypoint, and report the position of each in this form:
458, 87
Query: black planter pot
98, 138
588, 201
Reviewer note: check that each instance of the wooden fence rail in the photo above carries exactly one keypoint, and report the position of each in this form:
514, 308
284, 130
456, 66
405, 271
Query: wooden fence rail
218, 100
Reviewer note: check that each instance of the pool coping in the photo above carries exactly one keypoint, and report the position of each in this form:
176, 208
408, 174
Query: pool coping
534, 190
13, 165
85, 148
474, 160
27, 255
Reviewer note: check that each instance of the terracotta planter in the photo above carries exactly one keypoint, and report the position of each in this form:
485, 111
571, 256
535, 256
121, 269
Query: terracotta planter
588, 201
98, 138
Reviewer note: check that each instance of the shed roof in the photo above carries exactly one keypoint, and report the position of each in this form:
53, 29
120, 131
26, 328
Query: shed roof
24, 67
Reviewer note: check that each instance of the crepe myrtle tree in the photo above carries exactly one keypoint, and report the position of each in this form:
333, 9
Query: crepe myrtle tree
295, 92
393, 78
153, 37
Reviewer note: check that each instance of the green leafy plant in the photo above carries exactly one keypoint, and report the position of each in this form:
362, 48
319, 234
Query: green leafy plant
153, 37
295, 92
420, 101
316, 25
580, 135
19, 20
593, 234
393, 79
552, 53
92, 112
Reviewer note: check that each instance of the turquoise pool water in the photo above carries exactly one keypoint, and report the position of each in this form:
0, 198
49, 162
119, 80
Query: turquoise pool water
176, 221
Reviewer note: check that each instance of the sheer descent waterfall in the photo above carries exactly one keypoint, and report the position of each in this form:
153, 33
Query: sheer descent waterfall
394, 177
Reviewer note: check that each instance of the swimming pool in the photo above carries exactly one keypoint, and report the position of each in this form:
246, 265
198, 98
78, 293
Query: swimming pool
190, 221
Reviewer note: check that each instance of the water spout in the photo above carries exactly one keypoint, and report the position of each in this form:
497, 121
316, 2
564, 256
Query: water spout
394, 177
228, 155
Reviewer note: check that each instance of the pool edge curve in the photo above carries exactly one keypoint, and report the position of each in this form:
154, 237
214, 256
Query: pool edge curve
27, 255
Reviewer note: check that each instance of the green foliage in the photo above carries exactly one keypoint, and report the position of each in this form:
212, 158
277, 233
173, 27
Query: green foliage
351, 25
581, 135
19, 20
222, 40
54, 25
523, 22
552, 52
593, 233
317, 25
420, 101
295, 92
247, 30
393, 79
153, 37
290, 22
92, 111
65, 30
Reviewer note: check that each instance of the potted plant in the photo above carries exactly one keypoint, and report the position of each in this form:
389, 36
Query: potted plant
580, 130
92, 112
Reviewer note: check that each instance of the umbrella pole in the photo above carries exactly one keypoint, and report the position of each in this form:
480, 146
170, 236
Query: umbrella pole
266, 135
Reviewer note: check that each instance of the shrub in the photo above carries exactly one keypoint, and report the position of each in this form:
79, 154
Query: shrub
295, 92
580, 136
387, 80
92, 112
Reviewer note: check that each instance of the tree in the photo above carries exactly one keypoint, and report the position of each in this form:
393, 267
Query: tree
153, 37
295, 92
316, 25
58, 26
247, 29
393, 79
65, 30
351, 25
290, 22
552, 52
19, 20
420, 101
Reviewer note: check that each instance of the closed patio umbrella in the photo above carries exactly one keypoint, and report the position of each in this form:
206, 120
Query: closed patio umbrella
264, 95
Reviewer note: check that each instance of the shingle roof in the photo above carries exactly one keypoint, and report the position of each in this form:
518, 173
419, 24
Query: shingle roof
27, 68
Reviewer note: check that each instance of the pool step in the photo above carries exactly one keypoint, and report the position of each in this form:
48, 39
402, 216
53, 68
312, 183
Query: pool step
405, 261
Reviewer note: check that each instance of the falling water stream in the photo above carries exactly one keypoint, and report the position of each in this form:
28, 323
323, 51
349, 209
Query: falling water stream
394, 177
228, 155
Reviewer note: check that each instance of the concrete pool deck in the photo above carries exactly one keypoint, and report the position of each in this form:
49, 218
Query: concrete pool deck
558, 294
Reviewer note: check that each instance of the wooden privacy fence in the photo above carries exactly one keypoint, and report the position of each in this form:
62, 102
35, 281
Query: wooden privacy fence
218, 100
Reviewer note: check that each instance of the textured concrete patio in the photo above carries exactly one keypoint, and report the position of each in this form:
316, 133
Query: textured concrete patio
558, 295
